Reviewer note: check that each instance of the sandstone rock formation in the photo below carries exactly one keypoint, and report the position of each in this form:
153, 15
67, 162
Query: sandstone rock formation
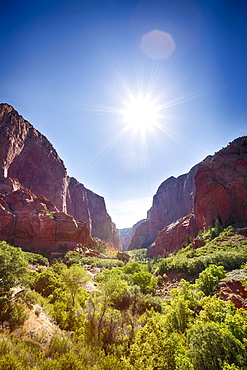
233, 288
221, 186
83, 204
27, 155
173, 236
220, 192
127, 234
174, 199
34, 223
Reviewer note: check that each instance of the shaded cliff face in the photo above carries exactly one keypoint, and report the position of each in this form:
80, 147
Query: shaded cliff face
220, 192
174, 199
27, 155
127, 234
34, 223
85, 205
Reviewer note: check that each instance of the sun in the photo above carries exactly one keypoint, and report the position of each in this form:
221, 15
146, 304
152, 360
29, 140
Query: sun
140, 114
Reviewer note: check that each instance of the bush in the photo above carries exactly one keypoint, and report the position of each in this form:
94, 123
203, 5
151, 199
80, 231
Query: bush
209, 278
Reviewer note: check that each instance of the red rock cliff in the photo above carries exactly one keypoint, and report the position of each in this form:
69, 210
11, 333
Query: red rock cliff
220, 192
221, 186
27, 155
85, 205
174, 199
34, 223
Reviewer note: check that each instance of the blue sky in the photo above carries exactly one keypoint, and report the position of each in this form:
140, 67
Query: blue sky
71, 68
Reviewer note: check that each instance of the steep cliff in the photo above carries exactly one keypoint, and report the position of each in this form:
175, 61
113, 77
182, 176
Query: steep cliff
83, 204
220, 193
27, 155
221, 186
174, 199
127, 234
171, 238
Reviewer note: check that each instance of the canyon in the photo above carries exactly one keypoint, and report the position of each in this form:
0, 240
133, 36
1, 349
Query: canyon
42, 208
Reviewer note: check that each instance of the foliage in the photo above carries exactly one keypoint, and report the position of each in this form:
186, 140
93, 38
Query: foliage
74, 277
227, 250
104, 263
139, 255
13, 313
209, 278
49, 283
13, 267
135, 274
123, 324
211, 345
36, 259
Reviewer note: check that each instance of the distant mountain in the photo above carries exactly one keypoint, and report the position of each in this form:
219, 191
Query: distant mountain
214, 188
27, 155
126, 235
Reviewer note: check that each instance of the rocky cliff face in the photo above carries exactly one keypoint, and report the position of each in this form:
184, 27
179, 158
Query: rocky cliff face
171, 238
220, 192
221, 186
83, 204
27, 155
34, 223
174, 199
127, 234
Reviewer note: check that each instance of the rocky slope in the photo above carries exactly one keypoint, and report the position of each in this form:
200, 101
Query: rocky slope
27, 155
220, 191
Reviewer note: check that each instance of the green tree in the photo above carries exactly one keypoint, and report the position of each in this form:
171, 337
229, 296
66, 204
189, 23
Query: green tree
74, 278
218, 227
13, 267
178, 315
154, 348
132, 267
212, 345
49, 283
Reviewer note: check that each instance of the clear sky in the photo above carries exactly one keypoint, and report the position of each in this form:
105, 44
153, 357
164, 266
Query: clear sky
80, 70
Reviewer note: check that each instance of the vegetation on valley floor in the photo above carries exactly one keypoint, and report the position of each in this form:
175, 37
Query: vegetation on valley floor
123, 324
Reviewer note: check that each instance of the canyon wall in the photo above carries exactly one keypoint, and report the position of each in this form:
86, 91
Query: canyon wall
35, 223
221, 186
220, 192
27, 155
174, 199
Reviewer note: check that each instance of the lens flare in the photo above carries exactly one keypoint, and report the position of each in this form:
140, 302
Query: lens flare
141, 112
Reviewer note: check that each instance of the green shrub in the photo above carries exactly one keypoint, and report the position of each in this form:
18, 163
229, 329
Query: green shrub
209, 278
